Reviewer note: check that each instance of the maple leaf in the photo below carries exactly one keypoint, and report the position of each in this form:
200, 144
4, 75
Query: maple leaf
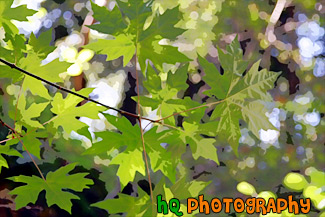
67, 110
201, 147
161, 95
111, 22
49, 72
18, 13
240, 96
40, 45
135, 39
130, 160
31, 141
55, 183
7, 150
26, 116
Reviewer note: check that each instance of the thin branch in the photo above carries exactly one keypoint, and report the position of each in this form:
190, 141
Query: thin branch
170, 126
142, 137
99, 103
147, 126
190, 109
18, 136
16, 109
6, 140
71, 92
29, 132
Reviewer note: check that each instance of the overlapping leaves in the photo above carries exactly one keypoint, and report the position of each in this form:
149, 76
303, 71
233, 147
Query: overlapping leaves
241, 96
67, 111
163, 96
126, 138
132, 38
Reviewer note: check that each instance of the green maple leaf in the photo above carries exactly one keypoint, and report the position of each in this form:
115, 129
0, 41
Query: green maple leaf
54, 185
134, 39
254, 114
7, 150
233, 65
70, 150
192, 116
201, 147
232, 61
183, 189
239, 94
16, 46
219, 83
110, 141
27, 115
161, 95
48, 72
162, 26
31, 142
111, 22
254, 85
39, 49
120, 46
246, 98
136, 12
163, 54
130, 160
124, 135
18, 13
160, 158
67, 110
133, 206
228, 125
41, 44
7, 72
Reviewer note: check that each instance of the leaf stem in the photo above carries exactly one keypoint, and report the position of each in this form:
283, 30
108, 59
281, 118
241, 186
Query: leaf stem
18, 97
139, 119
21, 136
18, 135
99, 103
190, 109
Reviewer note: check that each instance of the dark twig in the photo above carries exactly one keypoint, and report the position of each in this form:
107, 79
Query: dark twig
18, 135
141, 130
72, 92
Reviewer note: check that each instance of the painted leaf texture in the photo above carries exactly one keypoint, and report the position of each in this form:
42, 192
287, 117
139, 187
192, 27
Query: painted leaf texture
67, 112
31, 142
127, 138
134, 34
240, 96
54, 185
39, 50
18, 13
161, 94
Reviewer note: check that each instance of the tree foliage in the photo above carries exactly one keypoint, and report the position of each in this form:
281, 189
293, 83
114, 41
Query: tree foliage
237, 94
